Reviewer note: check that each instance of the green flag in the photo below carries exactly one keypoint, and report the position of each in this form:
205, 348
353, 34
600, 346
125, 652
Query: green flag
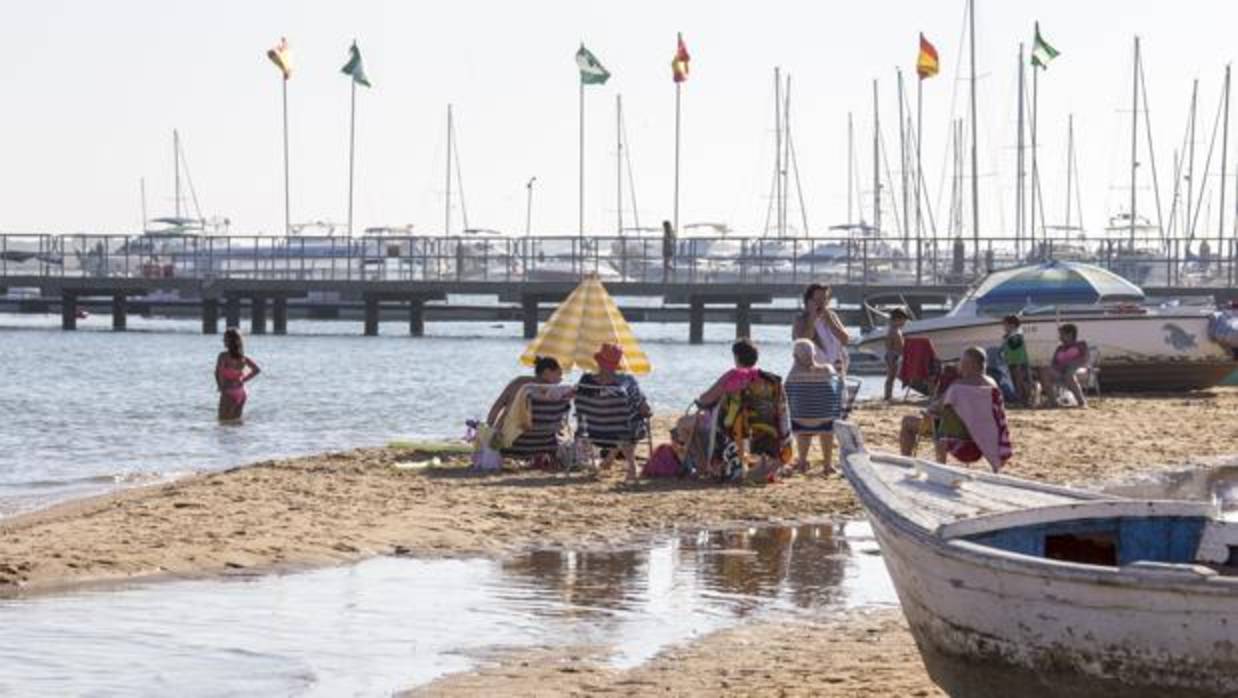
354, 67
591, 71
1042, 52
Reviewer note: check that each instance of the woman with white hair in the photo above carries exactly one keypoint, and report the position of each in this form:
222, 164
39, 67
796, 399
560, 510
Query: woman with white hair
814, 401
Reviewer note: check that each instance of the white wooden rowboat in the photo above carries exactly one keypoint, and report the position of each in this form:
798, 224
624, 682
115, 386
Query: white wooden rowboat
1014, 588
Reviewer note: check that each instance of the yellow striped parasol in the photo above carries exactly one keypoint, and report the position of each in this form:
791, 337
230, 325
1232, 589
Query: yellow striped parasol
584, 322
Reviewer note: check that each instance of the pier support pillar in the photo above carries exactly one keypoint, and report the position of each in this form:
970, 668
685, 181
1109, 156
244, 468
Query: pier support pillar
279, 312
417, 318
743, 319
528, 305
68, 311
232, 311
210, 316
371, 317
119, 312
258, 315
696, 322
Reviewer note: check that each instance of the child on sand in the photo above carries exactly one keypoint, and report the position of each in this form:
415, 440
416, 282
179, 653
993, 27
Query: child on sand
1014, 352
894, 348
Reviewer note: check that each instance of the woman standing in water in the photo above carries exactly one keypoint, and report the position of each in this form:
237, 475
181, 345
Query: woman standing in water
821, 326
233, 369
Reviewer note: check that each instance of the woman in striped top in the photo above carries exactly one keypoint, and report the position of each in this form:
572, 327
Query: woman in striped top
815, 401
610, 408
548, 404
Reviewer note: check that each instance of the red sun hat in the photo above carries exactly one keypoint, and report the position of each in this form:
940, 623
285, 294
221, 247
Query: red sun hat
610, 356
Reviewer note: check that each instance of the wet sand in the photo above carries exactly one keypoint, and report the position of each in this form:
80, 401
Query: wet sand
859, 655
335, 508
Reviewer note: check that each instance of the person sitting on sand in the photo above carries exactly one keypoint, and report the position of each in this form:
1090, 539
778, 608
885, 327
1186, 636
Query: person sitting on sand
611, 410
819, 324
233, 369
752, 415
1070, 356
814, 402
894, 348
529, 413
962, 422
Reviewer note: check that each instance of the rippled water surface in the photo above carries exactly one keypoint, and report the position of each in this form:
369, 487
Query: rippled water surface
83, 411
390, 623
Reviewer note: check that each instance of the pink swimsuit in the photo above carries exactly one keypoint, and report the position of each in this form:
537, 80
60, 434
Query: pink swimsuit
234, 388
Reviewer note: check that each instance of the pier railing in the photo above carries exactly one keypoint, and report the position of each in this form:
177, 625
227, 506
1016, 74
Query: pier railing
722, 260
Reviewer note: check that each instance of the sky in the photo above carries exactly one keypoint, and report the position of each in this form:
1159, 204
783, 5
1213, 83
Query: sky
92, 91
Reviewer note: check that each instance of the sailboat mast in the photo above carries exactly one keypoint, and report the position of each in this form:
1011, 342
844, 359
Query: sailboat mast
619, 163
1018, 197
850, 167
1224, 153
876, 162
975, 158
176, 169
786, 154
778, 193
1134, 140
1070, 158
142, 187
1190, 162
447, 207
902, 151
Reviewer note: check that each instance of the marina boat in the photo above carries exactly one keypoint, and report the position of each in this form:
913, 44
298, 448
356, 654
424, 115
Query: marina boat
1143, 345
1019, 589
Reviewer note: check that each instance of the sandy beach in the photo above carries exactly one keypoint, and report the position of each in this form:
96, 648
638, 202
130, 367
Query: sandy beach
336, 508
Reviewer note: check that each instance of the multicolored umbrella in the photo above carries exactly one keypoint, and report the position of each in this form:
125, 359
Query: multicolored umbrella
584, 322
1054, 283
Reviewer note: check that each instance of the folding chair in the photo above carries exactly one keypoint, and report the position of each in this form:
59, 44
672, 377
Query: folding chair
1089, 375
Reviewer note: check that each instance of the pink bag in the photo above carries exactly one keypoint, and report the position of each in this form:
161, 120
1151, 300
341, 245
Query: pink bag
663, 463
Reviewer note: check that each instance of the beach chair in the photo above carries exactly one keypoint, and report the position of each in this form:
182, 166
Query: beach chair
851, 391
1089, 375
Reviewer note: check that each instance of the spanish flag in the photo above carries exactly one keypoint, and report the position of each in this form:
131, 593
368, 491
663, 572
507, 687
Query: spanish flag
281, 57
679, 64
926, 64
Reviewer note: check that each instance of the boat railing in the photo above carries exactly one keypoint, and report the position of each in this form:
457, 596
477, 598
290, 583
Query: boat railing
865, 260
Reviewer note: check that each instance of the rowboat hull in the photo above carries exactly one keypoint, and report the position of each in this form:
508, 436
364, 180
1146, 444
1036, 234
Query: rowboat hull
988, 628
994, 617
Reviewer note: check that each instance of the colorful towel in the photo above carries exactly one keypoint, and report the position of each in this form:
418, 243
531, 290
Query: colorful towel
918, 359
980, 409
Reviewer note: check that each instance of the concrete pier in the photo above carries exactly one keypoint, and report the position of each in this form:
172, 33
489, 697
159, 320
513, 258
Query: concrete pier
696, 320
743, 318
258, 315
279, 315
68, 311
528, 305
232, 311
210, 316
371, 317
417, 317
119, 312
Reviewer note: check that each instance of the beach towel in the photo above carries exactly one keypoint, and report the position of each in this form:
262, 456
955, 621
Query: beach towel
980, 409
758, 415
532, 423
919, 363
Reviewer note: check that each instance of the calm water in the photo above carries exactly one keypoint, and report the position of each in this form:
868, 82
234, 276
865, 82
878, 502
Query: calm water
390, 624
87, 410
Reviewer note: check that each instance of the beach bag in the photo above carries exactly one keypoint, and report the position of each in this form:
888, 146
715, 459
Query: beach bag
485, 458
663, 463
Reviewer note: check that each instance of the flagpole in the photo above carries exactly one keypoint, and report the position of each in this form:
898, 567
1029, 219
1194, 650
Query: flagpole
677, 97
447, 205
619, 163
581, 201
287, 198
1035, 165
918, 176
1020, 202
902, 154
352, 149
975, 157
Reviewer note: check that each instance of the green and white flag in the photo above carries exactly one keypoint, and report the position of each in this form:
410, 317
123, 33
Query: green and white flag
354, 68
591, 71
1042, 52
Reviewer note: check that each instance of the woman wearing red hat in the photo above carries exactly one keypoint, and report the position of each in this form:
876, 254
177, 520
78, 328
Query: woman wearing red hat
610, 408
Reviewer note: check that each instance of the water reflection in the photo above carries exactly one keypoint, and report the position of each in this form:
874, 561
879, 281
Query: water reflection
390, 623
